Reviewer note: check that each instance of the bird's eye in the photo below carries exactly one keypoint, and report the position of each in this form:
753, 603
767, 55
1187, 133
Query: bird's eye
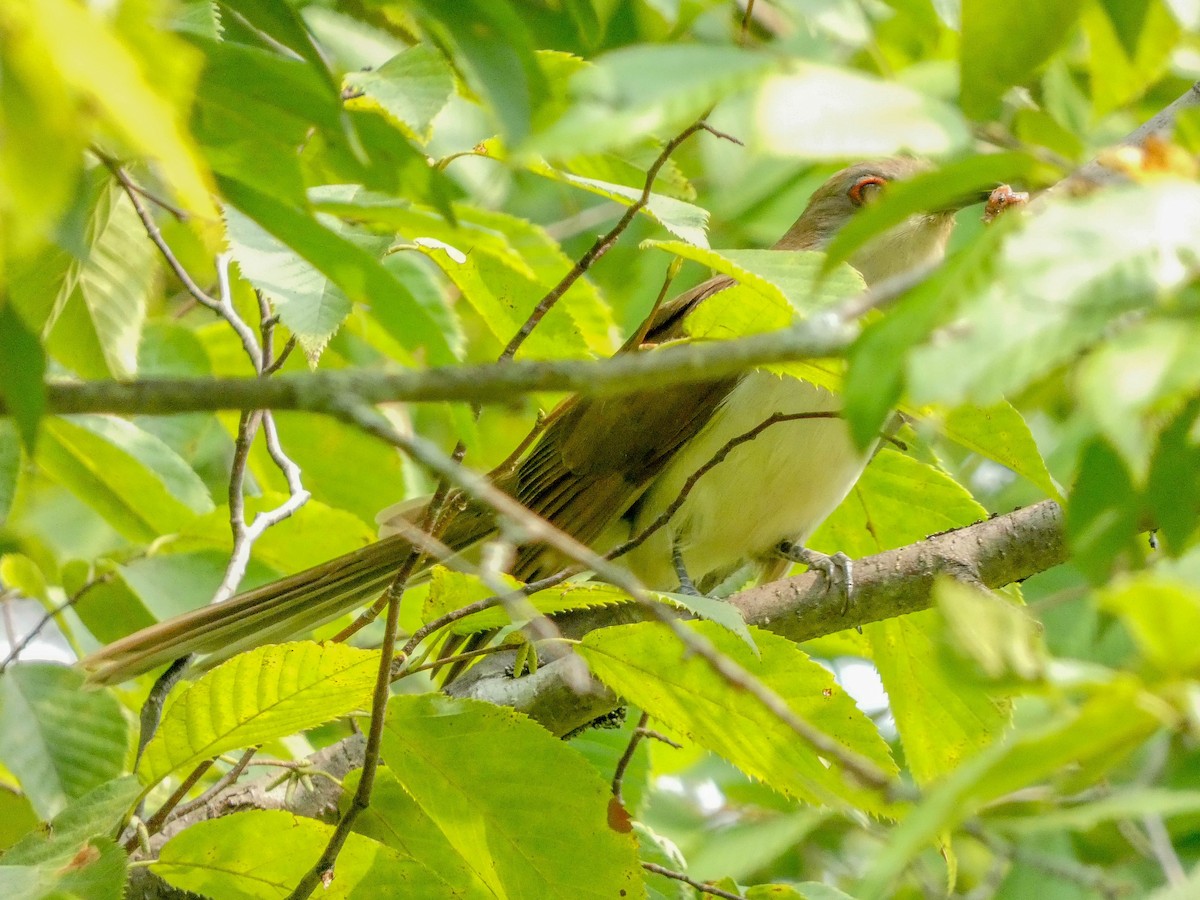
866, 189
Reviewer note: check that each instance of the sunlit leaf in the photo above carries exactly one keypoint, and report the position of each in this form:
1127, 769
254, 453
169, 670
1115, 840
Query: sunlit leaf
137, 483
517, 830
264, 694
999, 433
1059, 284
95, 814
820, 113
650, 668
1161, 615
107, 293
941, 720
104, 72
262, 854
396, 820
311, 247
682, 219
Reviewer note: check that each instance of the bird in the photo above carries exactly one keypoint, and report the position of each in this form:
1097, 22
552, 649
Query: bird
604, 468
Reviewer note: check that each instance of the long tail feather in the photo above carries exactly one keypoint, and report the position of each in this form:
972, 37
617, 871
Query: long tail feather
273, 612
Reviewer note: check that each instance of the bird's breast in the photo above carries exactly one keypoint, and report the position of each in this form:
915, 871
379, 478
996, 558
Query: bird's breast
779, 485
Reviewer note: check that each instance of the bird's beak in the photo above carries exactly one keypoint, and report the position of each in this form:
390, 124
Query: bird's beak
968, 198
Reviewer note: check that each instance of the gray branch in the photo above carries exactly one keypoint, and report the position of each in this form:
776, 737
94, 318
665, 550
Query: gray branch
332, 391
996, 552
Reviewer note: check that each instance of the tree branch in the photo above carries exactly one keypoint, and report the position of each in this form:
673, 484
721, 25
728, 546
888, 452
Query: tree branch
329, 391
998, 551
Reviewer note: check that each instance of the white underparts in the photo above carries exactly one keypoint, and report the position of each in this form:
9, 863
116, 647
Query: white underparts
779, 486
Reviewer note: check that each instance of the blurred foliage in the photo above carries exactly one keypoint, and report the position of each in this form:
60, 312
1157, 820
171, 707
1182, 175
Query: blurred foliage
401, 182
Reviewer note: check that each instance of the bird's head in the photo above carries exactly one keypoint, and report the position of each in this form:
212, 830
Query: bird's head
921, 238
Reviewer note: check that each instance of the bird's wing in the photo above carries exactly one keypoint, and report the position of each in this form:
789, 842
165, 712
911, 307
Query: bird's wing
597, 456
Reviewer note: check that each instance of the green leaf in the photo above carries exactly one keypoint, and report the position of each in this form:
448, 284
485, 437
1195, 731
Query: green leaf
503, 266
97, 813
790, 278
283, 25
998, 638
59, 740
10, 466
22, 368
315, 533
650, 668
106, 293
941, 720
321, 448
1104, 513
517, 830
361, 277
1161, 614
262, 854
716, 610
651, 89
815, 112
1139, 376
307, 302
496, 51
258, 696
96, 871
1130, 802
137, 483
1004, 44
683, 220
411, 88
999, 433
1130, 44
251, 105
877, 361
451, 590
1058, 286
395, 820
103, 72
41, 158
1076, 744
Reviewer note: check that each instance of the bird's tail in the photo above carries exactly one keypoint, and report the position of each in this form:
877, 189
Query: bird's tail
274, 612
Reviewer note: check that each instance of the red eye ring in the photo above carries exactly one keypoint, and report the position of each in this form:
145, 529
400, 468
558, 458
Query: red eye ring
856, 190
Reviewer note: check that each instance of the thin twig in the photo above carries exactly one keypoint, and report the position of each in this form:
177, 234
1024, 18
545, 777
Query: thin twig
1163, 850
362, 796
217, 786
602, 244
455, 658
665, 516
698, 885
156, 822
18, 646
618, 778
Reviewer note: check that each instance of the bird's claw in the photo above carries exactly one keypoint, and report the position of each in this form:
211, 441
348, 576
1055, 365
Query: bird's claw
837, 569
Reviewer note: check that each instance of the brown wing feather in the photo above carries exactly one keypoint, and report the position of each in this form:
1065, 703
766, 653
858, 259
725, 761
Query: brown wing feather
597, 456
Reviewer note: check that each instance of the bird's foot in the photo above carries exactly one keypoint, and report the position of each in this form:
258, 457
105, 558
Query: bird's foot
837, 569
686, 585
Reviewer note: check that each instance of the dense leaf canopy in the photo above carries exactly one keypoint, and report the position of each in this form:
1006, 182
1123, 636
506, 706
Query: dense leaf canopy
317, 196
